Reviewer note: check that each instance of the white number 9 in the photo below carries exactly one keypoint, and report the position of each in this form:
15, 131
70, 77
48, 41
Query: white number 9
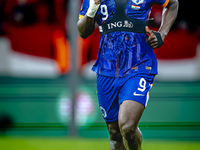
142, 84
104, 11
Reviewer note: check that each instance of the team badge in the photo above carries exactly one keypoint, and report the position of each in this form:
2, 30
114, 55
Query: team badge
137, 2
103, 111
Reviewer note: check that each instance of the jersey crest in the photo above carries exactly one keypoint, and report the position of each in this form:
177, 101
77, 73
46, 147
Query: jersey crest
137, 2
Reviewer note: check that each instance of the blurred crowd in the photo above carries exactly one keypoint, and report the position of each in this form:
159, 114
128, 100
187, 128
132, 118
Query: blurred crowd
22, 13
39, 28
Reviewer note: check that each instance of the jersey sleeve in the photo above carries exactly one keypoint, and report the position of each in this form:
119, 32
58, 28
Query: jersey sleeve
84, 8
163, 3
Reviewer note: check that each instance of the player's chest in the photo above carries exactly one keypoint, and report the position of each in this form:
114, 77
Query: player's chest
133, 6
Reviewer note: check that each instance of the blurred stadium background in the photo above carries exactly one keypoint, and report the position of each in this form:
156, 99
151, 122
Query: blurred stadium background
37, 69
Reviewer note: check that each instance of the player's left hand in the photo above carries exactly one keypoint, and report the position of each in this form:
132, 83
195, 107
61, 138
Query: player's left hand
154, 38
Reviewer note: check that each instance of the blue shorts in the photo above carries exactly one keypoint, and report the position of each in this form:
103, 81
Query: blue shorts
113, 91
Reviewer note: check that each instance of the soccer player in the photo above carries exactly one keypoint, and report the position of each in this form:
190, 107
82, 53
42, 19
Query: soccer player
126, 64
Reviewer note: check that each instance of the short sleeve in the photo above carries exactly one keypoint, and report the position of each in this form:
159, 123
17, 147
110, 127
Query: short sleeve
163, 3
84, 9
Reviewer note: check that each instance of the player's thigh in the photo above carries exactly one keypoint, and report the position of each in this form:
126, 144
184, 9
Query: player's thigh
129, 115
133, 98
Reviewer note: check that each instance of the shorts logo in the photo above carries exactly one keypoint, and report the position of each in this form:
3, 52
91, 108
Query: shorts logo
135, 94
103, 111
137, 2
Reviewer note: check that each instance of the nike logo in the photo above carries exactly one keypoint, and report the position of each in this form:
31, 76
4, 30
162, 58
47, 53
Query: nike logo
135, 94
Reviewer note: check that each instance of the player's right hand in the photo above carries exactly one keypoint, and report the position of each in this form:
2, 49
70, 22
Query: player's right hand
94, 6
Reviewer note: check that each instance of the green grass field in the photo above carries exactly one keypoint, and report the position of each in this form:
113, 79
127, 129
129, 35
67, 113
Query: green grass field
47, 143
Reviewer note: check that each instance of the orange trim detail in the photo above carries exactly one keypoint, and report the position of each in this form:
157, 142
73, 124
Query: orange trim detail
166, 3
80, 17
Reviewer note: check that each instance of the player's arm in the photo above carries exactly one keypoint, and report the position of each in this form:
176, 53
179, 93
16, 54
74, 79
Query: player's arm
86, 25
168, 17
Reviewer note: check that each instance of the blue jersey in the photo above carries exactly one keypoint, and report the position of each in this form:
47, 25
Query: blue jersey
121, 52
